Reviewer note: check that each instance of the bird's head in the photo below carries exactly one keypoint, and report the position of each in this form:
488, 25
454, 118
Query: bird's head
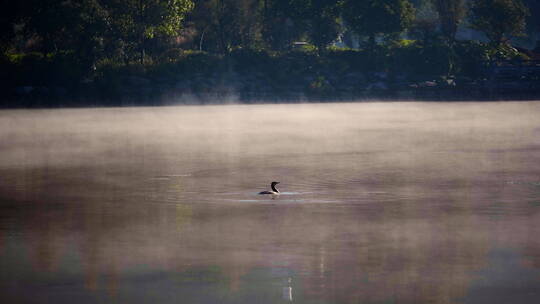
274, 183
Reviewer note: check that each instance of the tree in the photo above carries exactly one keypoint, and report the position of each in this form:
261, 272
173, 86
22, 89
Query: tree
451, 13
424, 27
319, 18
533, 21
499, 20
280, 23
136, 22
69, 27
9, 16
287, 20
62, 24
372, 18
223, 25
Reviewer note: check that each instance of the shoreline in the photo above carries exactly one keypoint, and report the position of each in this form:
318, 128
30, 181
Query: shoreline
219, 99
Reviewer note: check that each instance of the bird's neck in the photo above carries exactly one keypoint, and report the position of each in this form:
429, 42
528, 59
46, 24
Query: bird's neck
275, 189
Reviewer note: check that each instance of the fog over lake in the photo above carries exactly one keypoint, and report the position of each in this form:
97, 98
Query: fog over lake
382, 202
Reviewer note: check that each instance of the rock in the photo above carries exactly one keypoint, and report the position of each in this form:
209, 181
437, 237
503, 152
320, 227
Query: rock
450, 82
424, 84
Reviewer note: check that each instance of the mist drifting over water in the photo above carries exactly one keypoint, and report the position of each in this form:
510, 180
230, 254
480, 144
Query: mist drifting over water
404, 202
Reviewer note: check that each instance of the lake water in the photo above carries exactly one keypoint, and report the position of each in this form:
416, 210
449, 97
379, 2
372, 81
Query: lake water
381, 203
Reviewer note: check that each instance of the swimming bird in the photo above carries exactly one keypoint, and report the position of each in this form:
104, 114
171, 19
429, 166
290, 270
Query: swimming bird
274, 191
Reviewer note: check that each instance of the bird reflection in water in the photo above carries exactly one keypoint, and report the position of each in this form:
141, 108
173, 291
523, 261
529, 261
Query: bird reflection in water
287, 291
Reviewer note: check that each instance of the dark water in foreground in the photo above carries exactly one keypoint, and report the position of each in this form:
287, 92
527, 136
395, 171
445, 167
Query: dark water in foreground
382, 203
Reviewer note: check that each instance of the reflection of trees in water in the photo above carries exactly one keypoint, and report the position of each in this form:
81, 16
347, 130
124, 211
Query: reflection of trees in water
3, 236
514, 215
532, 241
402, 251
44, 242
383, 257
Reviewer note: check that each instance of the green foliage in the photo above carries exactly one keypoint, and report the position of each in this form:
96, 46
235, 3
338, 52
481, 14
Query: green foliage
305, 47
424, 27
353, 60
372, 18
533, 22
171, 55
280, 26
137, 48
286, 21
471, 56
420, 60
200, 62
223, 25
499, 20
320, 18
37, 69
403, 43
504, 52
134, 23
66, 26
451, 13
463, 58
250, 59
10, 14
320, 87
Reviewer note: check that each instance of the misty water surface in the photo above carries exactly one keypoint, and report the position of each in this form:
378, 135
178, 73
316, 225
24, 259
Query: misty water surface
381, 203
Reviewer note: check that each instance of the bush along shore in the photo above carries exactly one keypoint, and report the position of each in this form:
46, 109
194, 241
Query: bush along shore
403, 71
110, 53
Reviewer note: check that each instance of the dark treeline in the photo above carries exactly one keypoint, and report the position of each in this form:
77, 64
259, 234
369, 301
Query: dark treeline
111, 51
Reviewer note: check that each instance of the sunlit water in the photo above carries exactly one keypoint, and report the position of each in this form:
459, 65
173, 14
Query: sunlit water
381, 203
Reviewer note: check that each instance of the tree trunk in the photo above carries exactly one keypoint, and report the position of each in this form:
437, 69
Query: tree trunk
371, 43
201, 40
141, 37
